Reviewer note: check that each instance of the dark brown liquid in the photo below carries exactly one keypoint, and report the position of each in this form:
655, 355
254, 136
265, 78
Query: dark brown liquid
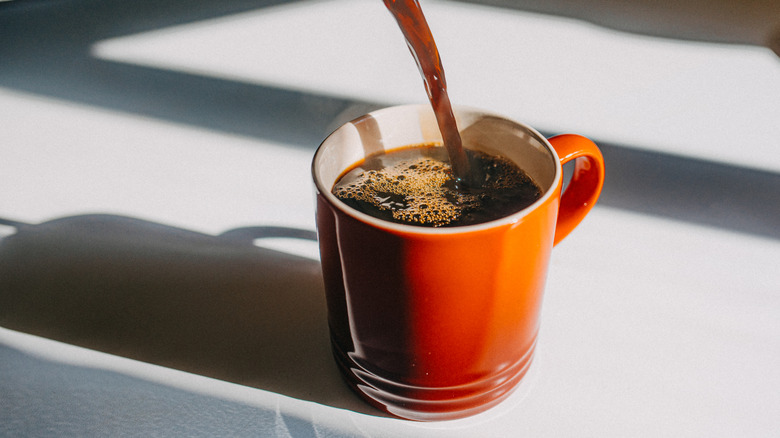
418, 36
416, 186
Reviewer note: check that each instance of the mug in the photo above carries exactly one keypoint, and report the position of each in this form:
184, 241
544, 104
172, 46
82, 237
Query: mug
441, 323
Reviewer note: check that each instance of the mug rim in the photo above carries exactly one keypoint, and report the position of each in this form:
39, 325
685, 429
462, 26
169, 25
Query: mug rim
423, 230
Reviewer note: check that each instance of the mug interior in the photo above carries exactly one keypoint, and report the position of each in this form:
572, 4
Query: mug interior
408, 125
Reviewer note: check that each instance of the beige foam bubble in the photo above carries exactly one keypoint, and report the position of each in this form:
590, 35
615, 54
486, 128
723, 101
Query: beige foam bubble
413, 189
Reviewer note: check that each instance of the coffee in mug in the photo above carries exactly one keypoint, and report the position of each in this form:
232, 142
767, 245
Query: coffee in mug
441, 322
415, 185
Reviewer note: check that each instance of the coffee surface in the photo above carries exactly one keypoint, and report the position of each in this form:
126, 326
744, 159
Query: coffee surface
415, 186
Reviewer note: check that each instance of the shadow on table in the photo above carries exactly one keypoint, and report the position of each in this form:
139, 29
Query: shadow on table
217, 306
80, 401
47, 47
691, 190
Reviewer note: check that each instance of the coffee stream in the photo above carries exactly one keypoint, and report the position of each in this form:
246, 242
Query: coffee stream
420, 185
418, 36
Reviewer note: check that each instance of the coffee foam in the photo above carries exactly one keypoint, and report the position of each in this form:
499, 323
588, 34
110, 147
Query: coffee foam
414, 190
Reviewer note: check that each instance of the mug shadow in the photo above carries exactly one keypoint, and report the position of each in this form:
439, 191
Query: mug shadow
217, 306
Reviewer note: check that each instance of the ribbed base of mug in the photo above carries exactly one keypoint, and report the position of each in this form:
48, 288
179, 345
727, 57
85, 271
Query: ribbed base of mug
422, 403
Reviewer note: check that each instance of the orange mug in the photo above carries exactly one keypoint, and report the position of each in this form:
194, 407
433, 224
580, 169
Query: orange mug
441, 323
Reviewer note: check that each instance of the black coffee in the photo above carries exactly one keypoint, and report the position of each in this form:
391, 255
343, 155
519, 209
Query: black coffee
415, 186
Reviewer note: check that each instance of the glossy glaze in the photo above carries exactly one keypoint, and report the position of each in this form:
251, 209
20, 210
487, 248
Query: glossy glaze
433, 324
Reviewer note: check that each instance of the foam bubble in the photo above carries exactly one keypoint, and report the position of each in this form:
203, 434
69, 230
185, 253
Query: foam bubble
414, 190
411, 187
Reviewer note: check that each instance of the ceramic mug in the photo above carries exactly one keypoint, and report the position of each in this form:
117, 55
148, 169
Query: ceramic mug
441, 323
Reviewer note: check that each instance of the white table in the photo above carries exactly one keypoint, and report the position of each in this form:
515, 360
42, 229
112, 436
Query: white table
147, 146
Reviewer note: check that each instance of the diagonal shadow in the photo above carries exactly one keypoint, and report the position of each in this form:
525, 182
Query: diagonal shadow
746, 22
217, 306
45, 51
691, 190
282, 116
79, 23
82, 401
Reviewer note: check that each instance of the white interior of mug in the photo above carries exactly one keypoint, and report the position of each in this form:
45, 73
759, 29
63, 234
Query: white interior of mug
408, 125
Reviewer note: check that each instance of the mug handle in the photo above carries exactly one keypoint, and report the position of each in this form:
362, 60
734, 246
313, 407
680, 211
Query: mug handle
585, 184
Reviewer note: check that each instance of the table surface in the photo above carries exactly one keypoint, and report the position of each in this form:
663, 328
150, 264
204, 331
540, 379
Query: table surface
157, 272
